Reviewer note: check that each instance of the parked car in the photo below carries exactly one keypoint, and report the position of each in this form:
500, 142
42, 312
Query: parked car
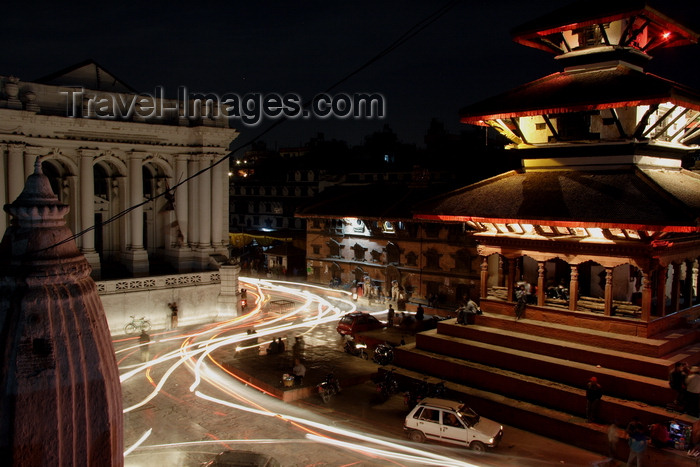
358, 321
451, 422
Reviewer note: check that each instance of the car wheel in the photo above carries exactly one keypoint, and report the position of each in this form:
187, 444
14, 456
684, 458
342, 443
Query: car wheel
325, 397
416, 436
364, 356
477, 446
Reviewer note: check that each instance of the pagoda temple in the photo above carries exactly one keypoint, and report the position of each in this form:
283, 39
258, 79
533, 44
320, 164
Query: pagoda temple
597, 235
602, 218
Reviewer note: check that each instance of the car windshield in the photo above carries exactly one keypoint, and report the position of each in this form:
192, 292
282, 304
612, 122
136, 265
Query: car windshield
346, 320
470, 417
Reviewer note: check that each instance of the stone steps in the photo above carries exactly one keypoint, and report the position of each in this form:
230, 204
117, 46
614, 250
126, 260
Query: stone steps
656, 347
519, 336
540, 379
556, 424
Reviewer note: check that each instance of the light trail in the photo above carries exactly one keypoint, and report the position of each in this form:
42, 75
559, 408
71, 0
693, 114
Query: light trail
194, 353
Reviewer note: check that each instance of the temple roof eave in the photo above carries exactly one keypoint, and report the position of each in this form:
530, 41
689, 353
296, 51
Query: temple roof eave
566, 92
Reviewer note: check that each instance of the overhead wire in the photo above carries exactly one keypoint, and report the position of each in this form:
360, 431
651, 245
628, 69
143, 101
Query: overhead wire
406, 36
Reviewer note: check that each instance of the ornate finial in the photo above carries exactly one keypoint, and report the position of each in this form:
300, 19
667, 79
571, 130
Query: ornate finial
37, 166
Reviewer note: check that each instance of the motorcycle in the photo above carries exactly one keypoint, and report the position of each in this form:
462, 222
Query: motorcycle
387, 386
421, 390
383, 354
357, 349
328, 388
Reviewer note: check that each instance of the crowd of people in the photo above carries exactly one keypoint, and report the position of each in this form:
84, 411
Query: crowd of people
685, 381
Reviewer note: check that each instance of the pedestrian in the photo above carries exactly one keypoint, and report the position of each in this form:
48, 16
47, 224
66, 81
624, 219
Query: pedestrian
273, 347
390, 316
280, 345
637, 442
676, 381
593, 394
419, 313
144, 340
299, 371
660, 437
613, 438
692, 386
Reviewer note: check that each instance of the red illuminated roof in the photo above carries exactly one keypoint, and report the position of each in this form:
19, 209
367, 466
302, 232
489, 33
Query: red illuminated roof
638, 199
592, 12
565, 92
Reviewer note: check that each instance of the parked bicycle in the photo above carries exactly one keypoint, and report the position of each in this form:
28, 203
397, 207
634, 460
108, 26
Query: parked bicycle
136, 325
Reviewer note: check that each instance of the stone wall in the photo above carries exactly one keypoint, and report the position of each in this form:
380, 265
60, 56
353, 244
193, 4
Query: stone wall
195, 294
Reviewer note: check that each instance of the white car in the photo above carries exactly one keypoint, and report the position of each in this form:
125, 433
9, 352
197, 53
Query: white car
451, 422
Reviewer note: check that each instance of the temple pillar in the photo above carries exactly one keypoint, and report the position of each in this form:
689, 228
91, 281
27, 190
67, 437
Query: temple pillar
541, 292
204, 207
608, 291
676, 288
484, 277
192, 203
688, 289
646, 296
136, 257
696, 275
661, 290
181, 198
217, 204
15, 171
501, 268
4, 221
510, 280
87, 211
573, 288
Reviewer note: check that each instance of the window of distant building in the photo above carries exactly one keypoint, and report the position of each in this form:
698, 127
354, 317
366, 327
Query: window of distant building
411, 259
376, 256
359, 252
388, 227
315, 223
432, 259
393, 253
463, 260
316, 249
334, 248
279, 222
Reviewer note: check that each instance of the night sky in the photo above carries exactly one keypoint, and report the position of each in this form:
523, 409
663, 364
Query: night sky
304, 47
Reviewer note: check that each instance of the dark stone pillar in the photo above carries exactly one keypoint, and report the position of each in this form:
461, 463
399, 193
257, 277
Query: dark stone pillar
541, 292
484, 276
608, 291
510, 280
661, 290
573, 288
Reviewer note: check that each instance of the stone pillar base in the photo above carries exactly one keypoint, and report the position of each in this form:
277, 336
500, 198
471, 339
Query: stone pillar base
136, 261
94, 260
228, 302
182, 259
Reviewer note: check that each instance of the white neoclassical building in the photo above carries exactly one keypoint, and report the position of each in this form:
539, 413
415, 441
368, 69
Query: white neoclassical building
111, 153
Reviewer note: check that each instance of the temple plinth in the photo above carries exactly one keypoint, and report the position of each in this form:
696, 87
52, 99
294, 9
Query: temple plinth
61, 395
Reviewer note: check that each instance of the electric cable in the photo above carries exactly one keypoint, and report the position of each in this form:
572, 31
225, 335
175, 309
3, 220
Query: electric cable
406, 36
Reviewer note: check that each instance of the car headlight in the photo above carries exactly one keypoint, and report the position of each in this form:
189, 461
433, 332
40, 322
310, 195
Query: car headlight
490, 440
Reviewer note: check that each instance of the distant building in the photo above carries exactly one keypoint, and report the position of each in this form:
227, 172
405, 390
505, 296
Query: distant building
106, 148
363, 232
